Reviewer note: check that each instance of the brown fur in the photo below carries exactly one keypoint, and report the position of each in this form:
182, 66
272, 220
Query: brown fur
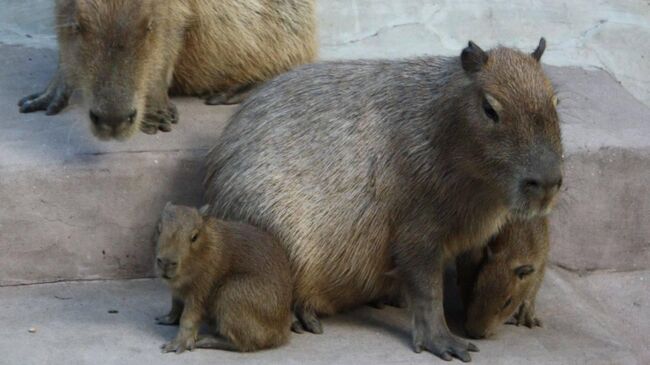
124, 55
359, 166
503, 279
233, 275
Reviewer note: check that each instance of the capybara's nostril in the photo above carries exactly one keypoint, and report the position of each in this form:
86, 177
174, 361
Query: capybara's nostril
531, 185
132, 116
159, 262
94, 117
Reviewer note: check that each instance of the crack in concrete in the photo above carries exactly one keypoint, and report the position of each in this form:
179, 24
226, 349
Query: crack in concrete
590, 270
102, 153
59, 281
372, 35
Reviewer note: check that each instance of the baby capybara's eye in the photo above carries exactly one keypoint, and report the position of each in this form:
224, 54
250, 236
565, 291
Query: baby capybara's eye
489, 110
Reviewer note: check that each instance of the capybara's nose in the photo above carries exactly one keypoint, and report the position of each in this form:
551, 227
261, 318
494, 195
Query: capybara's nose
160, 263
541, 185
114, 120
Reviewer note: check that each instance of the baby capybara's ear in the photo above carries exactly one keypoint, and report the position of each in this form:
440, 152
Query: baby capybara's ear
473, 58
539, 51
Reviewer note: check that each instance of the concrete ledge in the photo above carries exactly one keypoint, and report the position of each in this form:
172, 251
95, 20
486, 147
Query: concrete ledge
76, 208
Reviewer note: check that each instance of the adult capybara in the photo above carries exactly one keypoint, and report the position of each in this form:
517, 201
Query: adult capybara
361, 165
124, 55
500, 282
230, 275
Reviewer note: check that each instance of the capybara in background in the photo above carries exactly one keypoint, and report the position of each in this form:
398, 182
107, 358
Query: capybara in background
499, 282
230, 275
361, 166
124, 55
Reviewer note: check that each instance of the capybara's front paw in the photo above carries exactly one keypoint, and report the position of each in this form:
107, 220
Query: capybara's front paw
446, 347
179, 345
160, 119
168, 320
52, 100
525, 316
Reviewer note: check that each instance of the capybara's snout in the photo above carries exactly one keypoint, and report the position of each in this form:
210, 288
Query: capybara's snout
541, 180
117, 124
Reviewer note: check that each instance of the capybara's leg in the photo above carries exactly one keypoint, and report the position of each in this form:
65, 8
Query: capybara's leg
174, 315
161, 113
52, 100
422, 265
214, 342
188, 329
307, 320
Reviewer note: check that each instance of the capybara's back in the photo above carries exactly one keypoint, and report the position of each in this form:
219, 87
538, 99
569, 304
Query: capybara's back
302, 161
249, 42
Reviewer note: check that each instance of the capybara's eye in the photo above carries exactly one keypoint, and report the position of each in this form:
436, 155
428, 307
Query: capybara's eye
507, 303
489, 110
194, 236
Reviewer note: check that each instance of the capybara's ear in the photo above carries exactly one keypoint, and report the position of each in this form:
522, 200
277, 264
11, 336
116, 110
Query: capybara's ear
473, 58
539, 51
204, 210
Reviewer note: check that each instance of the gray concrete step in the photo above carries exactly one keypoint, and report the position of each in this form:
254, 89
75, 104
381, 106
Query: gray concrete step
598, 319
76, 208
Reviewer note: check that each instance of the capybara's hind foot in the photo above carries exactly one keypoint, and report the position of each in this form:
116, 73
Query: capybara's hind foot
231, 96
214, 342
159, 119
307, 320
525, 316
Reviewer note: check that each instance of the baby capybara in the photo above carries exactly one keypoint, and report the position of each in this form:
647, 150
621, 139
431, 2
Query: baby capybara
499, 283
230, 275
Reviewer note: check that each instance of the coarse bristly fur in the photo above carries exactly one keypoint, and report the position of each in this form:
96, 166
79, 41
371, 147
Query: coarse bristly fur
230, 275
357, 165
124, 55
501, 280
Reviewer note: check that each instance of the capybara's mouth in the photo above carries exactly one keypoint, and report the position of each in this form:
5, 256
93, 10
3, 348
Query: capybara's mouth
532, 208
106, 133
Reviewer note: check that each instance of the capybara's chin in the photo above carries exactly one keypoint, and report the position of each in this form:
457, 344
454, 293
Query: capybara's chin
106, 133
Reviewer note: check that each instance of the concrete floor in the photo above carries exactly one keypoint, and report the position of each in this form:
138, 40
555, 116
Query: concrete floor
602, 318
